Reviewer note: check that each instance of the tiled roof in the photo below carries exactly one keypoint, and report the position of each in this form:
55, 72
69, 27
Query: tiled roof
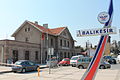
55, 31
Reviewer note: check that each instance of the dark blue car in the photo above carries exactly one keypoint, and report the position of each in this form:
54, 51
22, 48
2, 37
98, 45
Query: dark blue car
110, 59
24, 65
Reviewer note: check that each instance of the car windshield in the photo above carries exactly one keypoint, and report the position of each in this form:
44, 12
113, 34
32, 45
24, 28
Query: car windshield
104, 62
65, 60
74, 58
107, 57
18, 63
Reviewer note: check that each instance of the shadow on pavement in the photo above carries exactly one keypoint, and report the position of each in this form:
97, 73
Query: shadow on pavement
5, 72
29, 72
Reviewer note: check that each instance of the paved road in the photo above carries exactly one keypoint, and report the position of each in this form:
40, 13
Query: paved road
62, 73
115, 66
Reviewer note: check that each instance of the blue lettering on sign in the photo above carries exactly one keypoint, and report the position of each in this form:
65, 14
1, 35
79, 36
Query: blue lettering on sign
94, 32
107, 31
87, 32
100, 30
104, 30
83, 32
110, 30
97, 32
91, 32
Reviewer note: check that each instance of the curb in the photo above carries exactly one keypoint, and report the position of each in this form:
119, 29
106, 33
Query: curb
5, 72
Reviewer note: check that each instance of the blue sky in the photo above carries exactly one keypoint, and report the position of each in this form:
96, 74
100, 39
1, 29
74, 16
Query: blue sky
76, 14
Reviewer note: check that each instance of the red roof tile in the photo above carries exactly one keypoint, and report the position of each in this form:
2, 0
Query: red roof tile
55, 31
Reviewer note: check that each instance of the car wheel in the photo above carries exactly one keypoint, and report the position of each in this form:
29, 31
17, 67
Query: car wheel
72, 66
80, 67
14, 71
114, 61
23, 70
102, 67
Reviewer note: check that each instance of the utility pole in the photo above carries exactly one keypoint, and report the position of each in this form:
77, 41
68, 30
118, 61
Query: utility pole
88, 47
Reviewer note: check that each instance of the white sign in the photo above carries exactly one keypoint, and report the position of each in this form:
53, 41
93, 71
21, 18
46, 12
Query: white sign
103, 17
50, 51
93, 32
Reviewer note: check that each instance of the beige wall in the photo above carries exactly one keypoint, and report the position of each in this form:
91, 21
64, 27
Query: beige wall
21, 47
66, 37
33, 35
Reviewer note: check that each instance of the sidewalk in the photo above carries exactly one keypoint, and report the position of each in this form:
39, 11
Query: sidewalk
60, 73
76, 74
4, 69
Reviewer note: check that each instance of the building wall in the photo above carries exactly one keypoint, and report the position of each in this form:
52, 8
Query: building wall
67, 47
60, 51
35, 43
21, 47
30, 32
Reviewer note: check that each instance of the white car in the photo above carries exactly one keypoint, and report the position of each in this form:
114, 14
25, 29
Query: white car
74, 59
118, 58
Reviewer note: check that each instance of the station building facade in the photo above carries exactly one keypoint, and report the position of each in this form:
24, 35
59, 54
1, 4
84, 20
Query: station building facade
33, 40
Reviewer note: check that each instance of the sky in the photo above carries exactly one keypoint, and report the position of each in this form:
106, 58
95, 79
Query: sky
75, 14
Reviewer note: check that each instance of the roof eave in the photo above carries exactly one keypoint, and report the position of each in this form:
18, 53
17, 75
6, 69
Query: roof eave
62, 30
13, 35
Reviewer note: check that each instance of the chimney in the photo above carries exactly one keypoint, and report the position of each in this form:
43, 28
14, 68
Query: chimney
45, 25
36, 22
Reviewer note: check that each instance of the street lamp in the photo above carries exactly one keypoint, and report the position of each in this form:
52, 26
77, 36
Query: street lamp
88, 47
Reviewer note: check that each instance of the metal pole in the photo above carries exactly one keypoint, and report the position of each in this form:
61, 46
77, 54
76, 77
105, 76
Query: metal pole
88, 45
49, 52
50, 63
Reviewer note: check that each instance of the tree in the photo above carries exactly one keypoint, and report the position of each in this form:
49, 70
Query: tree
115, 47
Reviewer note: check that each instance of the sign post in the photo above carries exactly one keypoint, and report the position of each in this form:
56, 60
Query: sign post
106, 19
50, 52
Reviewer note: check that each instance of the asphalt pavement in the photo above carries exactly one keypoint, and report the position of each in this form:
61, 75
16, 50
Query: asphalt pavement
61, 73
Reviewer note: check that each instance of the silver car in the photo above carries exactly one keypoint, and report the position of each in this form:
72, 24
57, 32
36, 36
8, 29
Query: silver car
85, 63
24, 65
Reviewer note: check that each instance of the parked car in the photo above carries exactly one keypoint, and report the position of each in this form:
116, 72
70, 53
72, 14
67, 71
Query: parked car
74, 59
85, 64
24, 65
52, 63
65, 61
110, 59
83, 59
118, 58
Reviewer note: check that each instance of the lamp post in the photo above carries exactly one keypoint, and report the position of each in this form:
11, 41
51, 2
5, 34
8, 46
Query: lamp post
88, 47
